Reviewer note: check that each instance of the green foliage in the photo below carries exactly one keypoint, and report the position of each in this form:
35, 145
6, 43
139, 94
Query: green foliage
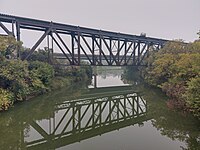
23, 78
14, 76
78, 73
8, 47
193, 95
6, 99
39, 55
175, 68
60, 82
20, 80
42, 71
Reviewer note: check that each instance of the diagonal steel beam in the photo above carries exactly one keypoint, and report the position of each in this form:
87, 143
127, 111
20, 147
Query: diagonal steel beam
101, 110
140, 53
37, 43
61, 120
146, 53
94, 57
119, 53
5, 29
64, 44
129, 47
40, 130
61, 49
73, 115
109, 50
81, 47
102, 51
133, 52
92, 116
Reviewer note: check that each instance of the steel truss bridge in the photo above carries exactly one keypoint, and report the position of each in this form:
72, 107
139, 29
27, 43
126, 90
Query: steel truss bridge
77, 120
98, 47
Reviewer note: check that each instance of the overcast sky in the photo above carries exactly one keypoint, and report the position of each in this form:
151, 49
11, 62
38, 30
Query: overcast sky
168, 19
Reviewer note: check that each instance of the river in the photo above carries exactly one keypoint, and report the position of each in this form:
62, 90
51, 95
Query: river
113, 113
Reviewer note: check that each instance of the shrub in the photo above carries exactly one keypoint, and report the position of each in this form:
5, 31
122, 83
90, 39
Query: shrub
42, 71
6, 99
193, 95
14, 76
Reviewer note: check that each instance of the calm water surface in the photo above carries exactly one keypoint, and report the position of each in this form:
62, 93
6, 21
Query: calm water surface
117, 115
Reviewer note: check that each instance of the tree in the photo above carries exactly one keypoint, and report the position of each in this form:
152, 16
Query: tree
8, 47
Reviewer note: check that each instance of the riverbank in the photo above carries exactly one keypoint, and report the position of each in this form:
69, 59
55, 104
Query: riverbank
30, 83
176, 70
22, 80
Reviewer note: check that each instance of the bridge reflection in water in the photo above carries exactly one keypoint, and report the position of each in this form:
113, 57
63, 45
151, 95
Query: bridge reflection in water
76, 120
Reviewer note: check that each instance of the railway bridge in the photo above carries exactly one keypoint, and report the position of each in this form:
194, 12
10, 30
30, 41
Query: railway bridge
77, 44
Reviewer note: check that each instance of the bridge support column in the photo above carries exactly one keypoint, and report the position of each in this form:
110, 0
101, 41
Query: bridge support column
18, 39
95, 76
72, 46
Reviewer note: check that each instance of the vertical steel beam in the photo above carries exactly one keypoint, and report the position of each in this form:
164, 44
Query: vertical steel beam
125, 49
95, 76
125, 108
134, 54
48, 49
100, 113
139, 54
110, 107
18, 39
93, 51
52, 45
93, 113
110, 46
118, 109
100, 50
118, 51
13, 30
79, 118
73, 117
79, 49
73, 44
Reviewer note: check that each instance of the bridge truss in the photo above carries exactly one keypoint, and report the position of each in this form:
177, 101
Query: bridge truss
77, 120
97, 47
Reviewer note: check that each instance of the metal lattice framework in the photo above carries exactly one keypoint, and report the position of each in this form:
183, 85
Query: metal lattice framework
98, 47
85, 118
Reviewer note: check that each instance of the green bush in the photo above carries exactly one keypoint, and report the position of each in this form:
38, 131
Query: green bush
6, 99
193, 95
42, 71
8, 47
14, 76
23, 78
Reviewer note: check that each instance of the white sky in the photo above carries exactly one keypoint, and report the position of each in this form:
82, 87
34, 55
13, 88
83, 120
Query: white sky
168, 19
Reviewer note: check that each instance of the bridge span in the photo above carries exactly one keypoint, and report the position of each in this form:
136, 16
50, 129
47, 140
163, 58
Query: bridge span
98, 47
